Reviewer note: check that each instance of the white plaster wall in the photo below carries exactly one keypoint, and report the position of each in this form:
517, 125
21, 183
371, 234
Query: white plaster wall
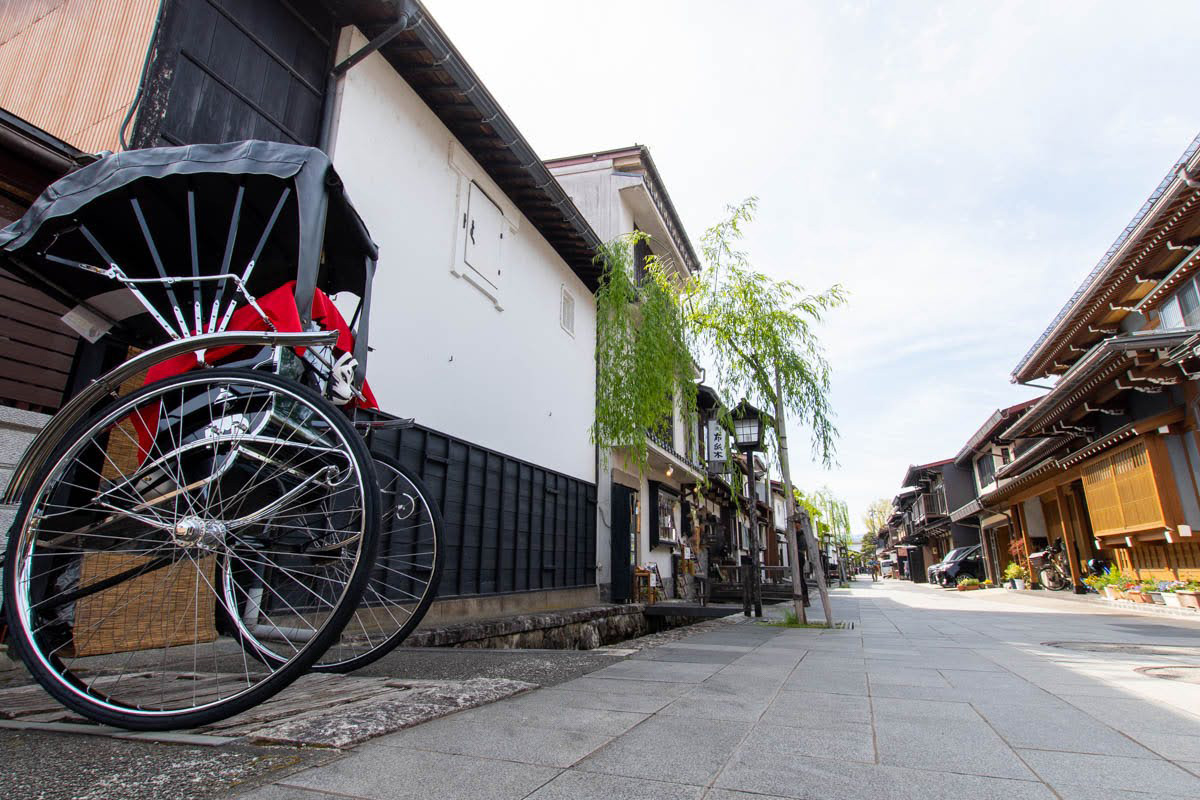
512, 380
1035, 518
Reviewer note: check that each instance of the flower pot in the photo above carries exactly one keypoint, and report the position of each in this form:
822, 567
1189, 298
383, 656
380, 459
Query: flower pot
1189, 599
1138, 596
1018, 583
969, 588
1112, 593
1157, 597
1170, 600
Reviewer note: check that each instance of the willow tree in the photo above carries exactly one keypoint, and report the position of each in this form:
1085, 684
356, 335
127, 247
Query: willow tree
644, 364
759, 336
875, 518
835, 519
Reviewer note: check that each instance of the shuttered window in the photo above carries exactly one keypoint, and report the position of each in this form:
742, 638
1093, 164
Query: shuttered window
1121, 491
484, 235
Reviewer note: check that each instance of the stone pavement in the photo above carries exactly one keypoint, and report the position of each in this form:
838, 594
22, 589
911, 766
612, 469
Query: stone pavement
930, 695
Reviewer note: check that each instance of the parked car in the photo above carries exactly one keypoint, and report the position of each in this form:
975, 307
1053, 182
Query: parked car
961, 562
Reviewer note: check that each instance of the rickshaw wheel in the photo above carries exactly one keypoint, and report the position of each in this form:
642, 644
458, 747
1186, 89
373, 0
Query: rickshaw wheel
404, 579
110, 578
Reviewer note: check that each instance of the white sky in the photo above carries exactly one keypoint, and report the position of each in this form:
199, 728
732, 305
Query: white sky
959, 167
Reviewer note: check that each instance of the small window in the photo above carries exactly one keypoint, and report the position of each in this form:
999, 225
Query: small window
1168, 314
985, 470
1189, 304
483, 235
566, 311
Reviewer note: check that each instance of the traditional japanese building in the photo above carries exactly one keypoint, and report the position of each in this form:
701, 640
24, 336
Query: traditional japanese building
1107, 461
983, 454
925, 533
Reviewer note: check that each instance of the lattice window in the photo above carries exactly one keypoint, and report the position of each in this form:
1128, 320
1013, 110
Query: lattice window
1121, 493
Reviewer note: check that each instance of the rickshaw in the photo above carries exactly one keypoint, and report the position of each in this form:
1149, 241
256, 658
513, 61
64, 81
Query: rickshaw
204, 522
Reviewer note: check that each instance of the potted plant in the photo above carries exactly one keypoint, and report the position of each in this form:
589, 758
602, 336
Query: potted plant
1109, 584
968, 584
1015, 575
1169, 596
1136, 592
1096, 582
1155, 590
1189, 596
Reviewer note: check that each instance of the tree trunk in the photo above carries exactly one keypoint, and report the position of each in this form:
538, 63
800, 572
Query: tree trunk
789, 499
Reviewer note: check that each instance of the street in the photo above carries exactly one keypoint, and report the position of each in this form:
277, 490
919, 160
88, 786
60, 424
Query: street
931, 694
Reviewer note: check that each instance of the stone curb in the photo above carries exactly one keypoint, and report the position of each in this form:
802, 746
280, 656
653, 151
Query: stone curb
467, 632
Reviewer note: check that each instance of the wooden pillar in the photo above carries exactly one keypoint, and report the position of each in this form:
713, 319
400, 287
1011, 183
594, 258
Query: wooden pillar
1086, 546
1023, 524
1068, 522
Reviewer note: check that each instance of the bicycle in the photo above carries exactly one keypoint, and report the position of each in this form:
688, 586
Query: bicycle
1051, 566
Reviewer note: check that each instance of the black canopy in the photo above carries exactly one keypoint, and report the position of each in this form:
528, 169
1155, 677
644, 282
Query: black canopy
197, 210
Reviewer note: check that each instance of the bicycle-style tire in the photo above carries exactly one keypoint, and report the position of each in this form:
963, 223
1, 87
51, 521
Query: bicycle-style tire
404, 579
109, 577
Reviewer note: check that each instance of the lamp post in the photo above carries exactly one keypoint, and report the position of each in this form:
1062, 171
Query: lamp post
748, 437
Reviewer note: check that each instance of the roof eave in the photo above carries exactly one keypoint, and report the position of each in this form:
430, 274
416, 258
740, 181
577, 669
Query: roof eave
1032, 364
493, 141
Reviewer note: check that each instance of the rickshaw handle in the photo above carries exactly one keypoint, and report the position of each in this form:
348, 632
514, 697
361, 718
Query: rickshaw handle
110, 382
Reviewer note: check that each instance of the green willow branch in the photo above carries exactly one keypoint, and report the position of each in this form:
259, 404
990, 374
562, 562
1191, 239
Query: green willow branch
643, 355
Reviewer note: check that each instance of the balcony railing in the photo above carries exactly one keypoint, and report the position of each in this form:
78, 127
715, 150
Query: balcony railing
930, 505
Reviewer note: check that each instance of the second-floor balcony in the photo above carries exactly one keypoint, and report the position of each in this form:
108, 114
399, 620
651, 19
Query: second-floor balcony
929, 506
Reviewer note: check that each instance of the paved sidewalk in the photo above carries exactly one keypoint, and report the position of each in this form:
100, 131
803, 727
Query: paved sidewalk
930, 695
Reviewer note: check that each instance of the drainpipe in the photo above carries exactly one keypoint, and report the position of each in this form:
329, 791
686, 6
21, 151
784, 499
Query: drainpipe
406, 17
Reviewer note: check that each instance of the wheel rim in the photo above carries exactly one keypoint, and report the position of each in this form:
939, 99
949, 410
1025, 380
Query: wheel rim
403, 580
116, 593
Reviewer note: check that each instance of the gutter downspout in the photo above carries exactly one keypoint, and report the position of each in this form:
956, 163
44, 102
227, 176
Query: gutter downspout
407, 17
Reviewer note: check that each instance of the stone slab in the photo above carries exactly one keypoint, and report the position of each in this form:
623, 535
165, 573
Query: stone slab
971, 747
656, 750
504, 740
829, 779
366, 719
1055, 725
1108, 773
579, 785
804, 709
708, 701
657, 671
845, 742
545, 710
387, 773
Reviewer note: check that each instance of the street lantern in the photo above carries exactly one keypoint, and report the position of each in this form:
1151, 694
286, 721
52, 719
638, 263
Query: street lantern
747, 427
748, 437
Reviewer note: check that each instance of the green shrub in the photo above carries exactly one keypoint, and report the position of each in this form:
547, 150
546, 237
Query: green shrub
968, 581
1015, 571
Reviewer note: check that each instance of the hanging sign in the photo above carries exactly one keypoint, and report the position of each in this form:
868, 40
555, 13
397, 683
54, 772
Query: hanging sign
716, 443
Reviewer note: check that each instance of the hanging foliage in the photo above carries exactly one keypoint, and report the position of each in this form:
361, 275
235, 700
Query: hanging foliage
752, 328
644, 364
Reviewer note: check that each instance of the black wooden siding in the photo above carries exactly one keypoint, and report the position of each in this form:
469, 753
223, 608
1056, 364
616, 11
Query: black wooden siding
511, 526
226, 70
